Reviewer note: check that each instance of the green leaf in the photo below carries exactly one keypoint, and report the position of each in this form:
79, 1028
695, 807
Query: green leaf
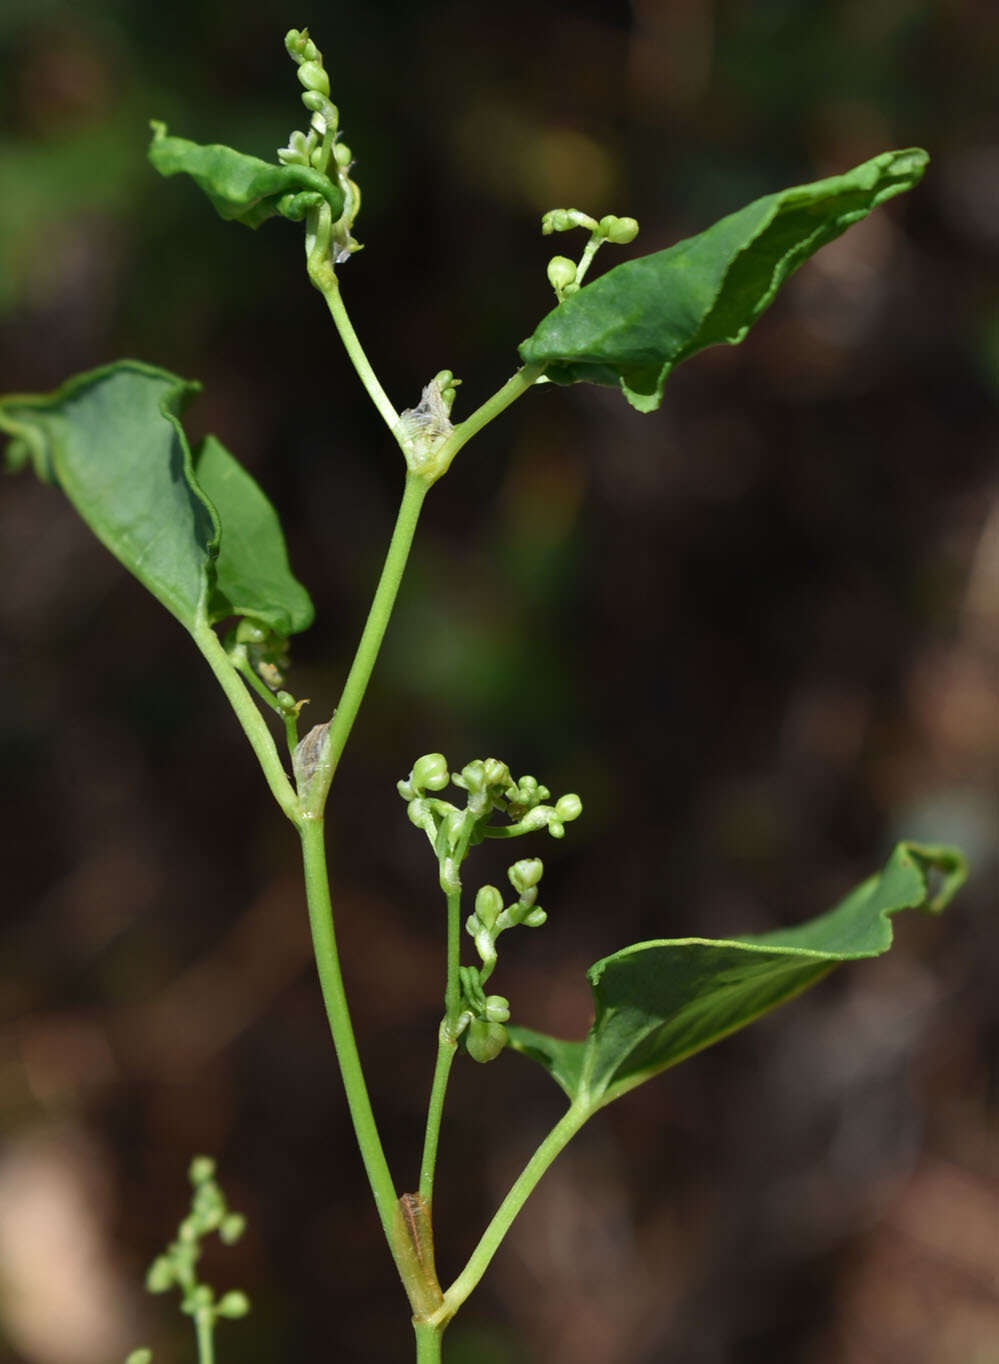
112, 441
635, 323
199, 534
243, 187
656, 1003
252, 576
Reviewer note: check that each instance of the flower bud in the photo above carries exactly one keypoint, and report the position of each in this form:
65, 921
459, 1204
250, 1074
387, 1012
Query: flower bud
208, 1208
233, 1304
200, 1169
488, 906
249, 632
619, 230
201, 1296
142, 1356
159, 1276
232, 1227
485, 1040
342, 155
536, 917
314, 101
430, 772
313, 77
561, 272
497, 1009
562, 219
526, 873
569, 807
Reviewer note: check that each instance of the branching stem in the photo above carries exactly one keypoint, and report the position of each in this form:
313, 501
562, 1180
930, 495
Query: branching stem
248, 715
371, 638
555, 1142
324, 278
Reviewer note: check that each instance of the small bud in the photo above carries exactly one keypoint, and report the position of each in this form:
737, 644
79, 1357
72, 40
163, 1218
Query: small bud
568, 807
561, 273
314, 101
209, 1207
159, 1276
342, 155
418, 811
188, 1230
430, 773
200, 1169
496, 772
619, 230
313, 77
447, 385
231, 1228
484, 1040
497, 1009
562, 219
233, 1304
143, 1356
536, 917
488, 907
526, 873
200, 1297
249, 632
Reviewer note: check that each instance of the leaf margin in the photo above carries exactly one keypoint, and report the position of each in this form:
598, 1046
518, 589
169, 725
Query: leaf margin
917, 861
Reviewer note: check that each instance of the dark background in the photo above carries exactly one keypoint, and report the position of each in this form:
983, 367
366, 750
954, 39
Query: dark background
757, 631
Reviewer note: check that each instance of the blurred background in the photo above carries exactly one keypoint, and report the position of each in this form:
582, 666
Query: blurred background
757, 631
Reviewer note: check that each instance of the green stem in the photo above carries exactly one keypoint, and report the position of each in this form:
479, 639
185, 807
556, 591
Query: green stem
555, 1142
204, 1329
452, 990
317, 891
240, 661
428, 1342
291, 731
254, 727
586, 259
324, 278
446, 1051
371, 639
447, 1046
513, 389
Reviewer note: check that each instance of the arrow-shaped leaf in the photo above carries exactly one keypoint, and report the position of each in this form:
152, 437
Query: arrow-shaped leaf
656, 1003
635, 323
200, 535
239, 186
112, 441
252, 576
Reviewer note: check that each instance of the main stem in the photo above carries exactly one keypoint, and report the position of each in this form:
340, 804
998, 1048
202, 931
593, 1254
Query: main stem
317, 889
428, 1342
